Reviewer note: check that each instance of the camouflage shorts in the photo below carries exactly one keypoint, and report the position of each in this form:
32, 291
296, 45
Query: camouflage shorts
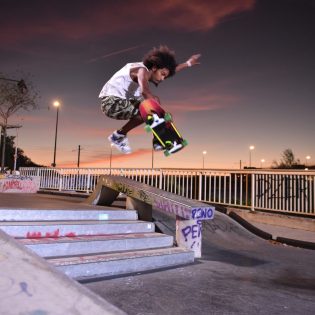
118, 108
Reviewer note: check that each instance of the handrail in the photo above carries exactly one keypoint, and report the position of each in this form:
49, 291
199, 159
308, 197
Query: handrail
284, 191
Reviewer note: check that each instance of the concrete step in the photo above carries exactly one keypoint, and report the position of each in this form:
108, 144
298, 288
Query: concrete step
66, 215
56, 229
82, 245
110, 264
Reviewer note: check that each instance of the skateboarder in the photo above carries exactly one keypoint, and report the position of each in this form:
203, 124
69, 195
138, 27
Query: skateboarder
127, 88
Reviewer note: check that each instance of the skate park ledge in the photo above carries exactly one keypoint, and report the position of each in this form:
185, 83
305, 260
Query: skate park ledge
143, 198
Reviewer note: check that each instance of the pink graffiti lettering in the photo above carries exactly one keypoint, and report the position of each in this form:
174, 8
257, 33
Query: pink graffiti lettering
33, 235
71, 234
54, 234
12, 184
18, 185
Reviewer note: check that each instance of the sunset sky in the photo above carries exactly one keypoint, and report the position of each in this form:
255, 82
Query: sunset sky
255, 85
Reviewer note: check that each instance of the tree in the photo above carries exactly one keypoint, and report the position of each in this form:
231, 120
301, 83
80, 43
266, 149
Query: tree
15, 95
288, 160
22, 159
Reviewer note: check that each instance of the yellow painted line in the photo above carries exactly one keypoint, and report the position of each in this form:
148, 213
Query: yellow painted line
157, 136
176, 130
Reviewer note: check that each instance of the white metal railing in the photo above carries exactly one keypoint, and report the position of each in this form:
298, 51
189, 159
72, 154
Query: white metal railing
274, 190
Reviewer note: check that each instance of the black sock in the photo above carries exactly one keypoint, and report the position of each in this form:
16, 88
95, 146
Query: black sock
120, 132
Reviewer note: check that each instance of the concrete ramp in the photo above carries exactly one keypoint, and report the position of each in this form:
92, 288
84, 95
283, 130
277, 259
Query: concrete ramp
29, 285
189, 213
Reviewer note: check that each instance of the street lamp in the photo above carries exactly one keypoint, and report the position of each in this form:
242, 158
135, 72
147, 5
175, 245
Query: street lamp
57, 105
251, 148
20, 84
110, 159
203, 158
307, 158
261, 162
16, 147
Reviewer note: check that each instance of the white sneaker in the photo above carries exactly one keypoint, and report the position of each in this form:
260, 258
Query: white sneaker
157, 146
120, 142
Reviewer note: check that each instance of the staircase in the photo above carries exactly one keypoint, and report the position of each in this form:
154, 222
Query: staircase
93, 243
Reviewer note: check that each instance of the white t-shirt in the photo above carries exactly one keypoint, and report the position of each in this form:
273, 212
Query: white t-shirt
122, 85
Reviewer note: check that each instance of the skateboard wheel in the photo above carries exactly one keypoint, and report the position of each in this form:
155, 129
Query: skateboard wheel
149, 119
147, 128
169, 144
184, 143
167, 153
167, 117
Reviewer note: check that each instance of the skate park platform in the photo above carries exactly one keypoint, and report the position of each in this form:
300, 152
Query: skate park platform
238, 273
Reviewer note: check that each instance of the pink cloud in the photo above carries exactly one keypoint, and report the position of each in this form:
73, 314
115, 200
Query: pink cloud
100, 160
102, 18
202, 103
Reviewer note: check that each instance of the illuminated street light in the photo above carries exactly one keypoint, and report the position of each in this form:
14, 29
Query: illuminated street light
57, 105
251, 148
307, 158
261, 162
203, 158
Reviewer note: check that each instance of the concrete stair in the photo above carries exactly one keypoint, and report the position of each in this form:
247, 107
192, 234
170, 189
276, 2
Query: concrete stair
93, 243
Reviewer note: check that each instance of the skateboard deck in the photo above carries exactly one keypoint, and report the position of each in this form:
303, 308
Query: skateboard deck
161, 125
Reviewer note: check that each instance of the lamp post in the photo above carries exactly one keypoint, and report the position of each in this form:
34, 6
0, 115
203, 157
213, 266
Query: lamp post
16, 147
56, 104
251, 148
261, 162
20, 84
203, 159
307, 158
110, 159
3, 142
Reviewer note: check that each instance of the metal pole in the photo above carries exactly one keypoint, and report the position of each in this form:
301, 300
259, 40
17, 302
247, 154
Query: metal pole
79, 151
16, 147
4, 135
110, 159
54, 162
203, 159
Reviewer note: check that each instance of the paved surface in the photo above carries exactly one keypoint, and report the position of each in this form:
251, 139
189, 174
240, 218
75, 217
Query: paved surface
297, 234
239, 272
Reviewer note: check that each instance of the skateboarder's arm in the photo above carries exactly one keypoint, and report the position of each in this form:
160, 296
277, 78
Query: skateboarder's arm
193, 60
143, 80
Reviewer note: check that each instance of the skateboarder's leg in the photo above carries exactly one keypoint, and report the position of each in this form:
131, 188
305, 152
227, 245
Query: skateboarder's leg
131, 124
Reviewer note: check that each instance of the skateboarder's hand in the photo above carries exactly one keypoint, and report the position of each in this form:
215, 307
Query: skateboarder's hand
193, 60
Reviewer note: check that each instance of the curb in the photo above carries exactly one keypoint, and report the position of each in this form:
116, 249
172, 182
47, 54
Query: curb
268, 236
296, 243
249, 226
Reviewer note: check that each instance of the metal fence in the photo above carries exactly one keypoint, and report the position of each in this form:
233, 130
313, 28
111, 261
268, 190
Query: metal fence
274, 190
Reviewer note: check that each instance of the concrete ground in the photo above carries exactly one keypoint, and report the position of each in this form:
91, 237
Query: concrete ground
239, 273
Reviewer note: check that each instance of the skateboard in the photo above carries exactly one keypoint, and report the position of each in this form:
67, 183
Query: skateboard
161, 125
